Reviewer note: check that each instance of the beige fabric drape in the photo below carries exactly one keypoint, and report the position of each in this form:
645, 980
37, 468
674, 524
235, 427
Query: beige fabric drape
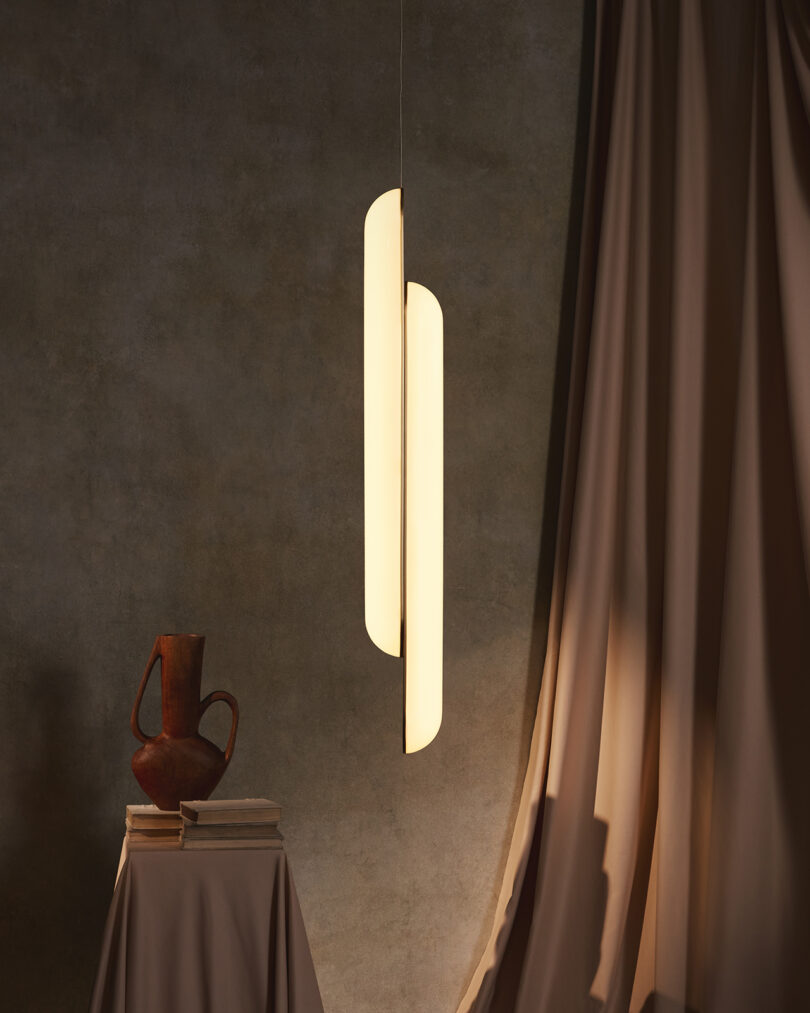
661, 855
205, 931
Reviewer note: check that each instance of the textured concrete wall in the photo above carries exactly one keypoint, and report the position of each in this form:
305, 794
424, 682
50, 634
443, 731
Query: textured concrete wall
183, 188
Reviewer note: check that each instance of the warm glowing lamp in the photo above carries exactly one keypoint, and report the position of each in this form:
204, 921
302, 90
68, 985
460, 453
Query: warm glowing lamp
384, 299
404, 469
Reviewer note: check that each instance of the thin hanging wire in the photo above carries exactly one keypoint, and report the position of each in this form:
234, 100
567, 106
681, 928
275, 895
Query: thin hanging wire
401, 64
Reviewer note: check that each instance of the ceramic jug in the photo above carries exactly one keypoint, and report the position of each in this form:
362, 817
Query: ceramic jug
179, 764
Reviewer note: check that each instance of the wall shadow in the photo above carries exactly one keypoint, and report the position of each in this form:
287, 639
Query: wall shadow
502, 982
55, 874
785, 594
565, 979
657, 1003
562, 366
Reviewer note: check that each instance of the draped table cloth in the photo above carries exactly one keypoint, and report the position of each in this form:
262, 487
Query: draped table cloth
214, 931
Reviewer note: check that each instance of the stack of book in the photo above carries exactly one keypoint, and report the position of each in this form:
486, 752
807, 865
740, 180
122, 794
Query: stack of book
150, 827
231, 823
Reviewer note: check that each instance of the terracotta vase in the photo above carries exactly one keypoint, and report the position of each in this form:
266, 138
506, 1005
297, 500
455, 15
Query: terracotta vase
179, 764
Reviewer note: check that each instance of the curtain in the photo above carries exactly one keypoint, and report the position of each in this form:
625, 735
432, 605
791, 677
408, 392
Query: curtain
661, 855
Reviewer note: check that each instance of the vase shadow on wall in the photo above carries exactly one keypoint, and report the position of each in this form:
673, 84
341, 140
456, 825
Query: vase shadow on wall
55, 874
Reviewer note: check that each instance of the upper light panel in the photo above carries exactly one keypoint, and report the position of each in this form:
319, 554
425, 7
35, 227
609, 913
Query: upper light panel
383, 296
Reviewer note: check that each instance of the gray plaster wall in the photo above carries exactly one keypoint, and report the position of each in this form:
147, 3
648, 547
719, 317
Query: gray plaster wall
183, 188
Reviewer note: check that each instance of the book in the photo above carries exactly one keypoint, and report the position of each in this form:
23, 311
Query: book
150, 827
154, 836
222, 844
136, 834
231, 831
148, 817
154, 845
227, 811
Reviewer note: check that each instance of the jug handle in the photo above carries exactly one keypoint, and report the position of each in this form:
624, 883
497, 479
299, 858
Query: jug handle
134, 724
220, 694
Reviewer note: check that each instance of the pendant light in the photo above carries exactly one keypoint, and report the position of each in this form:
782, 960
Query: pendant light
403, 464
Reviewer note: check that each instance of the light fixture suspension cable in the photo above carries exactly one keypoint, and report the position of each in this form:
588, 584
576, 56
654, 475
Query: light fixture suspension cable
401, 66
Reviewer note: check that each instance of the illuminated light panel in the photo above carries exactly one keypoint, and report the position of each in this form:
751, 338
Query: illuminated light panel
382, 397
424, 516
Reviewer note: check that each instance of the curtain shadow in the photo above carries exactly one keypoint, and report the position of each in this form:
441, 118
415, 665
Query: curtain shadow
514, 936
55, 874
786, 582
583, 949
657, 1003
562, 365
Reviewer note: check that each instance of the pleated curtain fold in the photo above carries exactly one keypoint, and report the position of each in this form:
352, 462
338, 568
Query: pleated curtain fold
661, 855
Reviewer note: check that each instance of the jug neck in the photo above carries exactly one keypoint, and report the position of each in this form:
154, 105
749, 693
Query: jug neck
181, 676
